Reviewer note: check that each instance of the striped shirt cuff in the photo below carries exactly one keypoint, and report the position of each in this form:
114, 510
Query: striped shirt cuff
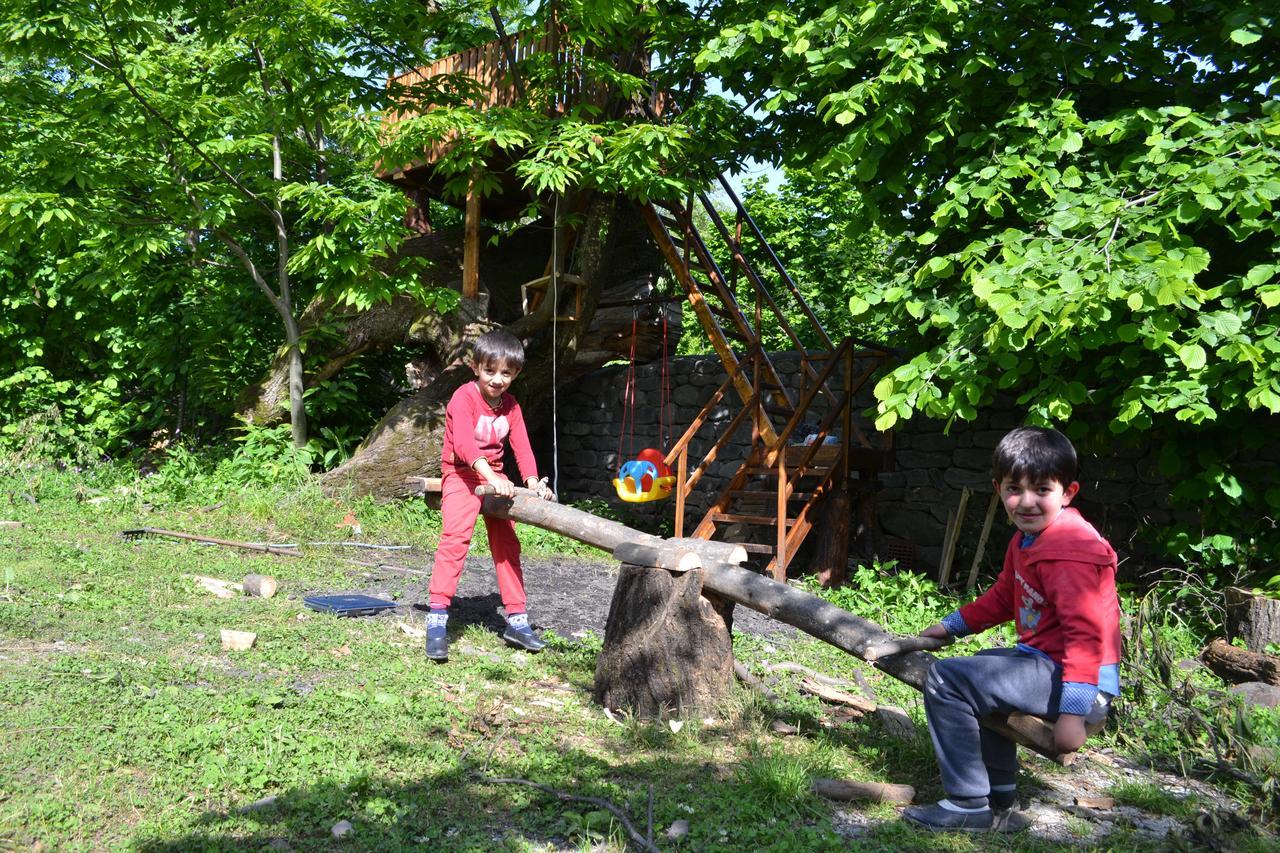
955, 624
1077, 697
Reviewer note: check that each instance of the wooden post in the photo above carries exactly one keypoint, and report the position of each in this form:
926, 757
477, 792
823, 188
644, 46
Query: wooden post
682, 475
781, 557
982, 541
471, 240
949, 547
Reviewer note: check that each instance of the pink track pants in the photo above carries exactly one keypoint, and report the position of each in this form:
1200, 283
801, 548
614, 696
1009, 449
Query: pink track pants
460, 506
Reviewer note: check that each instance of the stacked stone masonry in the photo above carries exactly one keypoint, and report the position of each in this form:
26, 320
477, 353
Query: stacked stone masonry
1123, 493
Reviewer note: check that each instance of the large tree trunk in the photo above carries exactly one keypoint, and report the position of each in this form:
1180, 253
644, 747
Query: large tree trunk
615, 260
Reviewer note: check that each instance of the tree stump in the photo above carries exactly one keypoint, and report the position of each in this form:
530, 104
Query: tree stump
1253, 618
667, 650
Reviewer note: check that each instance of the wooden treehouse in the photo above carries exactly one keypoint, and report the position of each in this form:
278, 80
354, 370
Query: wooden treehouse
775, 498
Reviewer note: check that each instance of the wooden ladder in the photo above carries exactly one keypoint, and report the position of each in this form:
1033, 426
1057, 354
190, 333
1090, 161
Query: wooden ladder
781, 483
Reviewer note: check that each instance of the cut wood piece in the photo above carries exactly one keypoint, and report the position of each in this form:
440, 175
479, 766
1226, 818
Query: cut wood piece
902, 645
1239, 666
11, 524
734, 553
259, 586
667, 650
831, 694
217, 586
1253, 618
673, 558
237, 641
872, 792
1096, 802
423, 485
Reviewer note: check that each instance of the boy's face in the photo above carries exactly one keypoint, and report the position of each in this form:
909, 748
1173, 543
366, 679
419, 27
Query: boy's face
493, 379
1034, 506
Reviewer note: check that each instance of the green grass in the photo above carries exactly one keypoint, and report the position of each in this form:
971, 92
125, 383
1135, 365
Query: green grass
125, 724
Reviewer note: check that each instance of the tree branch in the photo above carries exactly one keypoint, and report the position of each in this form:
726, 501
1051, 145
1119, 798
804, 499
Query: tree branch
639, 839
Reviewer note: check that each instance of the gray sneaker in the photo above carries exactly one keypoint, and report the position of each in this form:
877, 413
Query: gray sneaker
1009, 820
939, 818
523, 637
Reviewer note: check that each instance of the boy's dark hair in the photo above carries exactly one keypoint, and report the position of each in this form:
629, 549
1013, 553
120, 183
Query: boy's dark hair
1036, 453
498, 347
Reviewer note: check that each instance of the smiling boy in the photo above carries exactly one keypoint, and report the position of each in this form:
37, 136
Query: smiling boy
480, 420
1058, 586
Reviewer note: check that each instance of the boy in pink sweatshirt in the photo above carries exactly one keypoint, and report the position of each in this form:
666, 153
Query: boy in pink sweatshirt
1058, 585
480, 418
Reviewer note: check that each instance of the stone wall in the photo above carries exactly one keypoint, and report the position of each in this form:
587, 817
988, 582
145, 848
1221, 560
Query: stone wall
1122, 494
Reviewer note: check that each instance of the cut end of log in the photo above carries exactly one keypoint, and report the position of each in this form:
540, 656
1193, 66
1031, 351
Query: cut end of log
237, 641
658, 556
259, 586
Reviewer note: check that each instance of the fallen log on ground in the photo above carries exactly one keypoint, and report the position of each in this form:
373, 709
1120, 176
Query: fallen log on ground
1239, 666
731, 582
875, 792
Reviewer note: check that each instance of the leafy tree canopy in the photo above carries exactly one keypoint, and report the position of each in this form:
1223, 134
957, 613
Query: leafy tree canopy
1085, 197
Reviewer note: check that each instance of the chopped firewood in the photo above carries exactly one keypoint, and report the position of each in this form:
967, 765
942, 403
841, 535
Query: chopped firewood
875, 792
1237, 666
217, 586
237, 641
831, 694
1096, 802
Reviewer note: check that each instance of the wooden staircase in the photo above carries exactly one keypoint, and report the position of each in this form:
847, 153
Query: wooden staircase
781, 482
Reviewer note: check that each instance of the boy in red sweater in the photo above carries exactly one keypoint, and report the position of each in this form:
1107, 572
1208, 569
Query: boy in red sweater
1058, 585
480, 417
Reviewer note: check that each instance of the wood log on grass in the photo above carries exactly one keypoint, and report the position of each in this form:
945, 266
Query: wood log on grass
1239, 666
854, 789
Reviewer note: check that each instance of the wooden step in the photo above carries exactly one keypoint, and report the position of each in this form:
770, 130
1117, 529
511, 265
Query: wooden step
756, 548
750, 494
738, 518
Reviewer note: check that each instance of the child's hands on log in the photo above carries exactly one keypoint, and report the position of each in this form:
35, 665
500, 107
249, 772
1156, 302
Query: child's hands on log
1069, 733
541, 488
936, 631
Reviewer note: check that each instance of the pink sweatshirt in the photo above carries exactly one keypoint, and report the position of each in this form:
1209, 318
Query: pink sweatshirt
473, 429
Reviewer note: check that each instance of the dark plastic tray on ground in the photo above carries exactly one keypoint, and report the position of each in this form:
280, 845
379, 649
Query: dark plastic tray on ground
347, 605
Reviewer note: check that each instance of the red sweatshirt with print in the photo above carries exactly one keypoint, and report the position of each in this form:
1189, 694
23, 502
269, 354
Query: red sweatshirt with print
474, 429
1061, 592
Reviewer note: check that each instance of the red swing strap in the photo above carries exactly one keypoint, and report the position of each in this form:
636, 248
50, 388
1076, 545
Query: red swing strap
627, 433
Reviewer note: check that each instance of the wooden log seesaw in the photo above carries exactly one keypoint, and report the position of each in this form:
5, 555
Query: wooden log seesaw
661, 640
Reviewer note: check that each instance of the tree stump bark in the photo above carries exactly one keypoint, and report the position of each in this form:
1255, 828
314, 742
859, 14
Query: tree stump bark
1253, 618
667, 650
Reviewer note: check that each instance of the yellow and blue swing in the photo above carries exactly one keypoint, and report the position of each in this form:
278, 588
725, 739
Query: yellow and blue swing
646, 477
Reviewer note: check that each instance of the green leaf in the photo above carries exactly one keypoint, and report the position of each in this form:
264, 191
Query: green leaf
1244, 37
1192, 355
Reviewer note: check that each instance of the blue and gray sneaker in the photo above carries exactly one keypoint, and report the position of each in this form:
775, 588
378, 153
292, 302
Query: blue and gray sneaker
437, 638
519, 633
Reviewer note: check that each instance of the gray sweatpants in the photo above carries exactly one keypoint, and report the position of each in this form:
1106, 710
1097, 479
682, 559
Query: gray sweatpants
962, 690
